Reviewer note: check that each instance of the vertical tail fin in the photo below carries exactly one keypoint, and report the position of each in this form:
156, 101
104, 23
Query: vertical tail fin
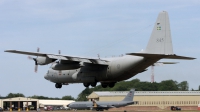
129, 96
160, 41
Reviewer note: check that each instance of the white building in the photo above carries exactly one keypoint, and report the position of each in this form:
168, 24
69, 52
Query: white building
22, 102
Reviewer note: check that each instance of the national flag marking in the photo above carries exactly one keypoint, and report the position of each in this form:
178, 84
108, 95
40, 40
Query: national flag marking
159, 28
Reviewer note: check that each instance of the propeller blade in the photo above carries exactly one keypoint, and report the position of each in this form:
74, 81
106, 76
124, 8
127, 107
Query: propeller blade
36, 68
35, 61
38, 49
59, 52
29, 57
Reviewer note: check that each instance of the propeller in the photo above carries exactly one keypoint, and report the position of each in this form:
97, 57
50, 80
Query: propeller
59, 72
35, 59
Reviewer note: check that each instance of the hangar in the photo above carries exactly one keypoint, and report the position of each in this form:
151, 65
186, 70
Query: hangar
20, 103
152, 100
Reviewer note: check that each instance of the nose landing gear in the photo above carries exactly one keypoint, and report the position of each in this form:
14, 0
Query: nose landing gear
58, 85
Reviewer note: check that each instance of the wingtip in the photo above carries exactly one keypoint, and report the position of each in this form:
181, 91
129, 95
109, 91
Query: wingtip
6, 50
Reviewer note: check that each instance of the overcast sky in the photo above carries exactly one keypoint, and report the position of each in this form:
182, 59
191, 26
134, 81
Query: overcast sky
87, 28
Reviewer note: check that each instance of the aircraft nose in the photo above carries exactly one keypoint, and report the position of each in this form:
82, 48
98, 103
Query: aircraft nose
46, 77
70, 105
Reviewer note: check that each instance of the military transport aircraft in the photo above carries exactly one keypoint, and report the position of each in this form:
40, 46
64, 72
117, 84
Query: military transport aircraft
108, 71
101, 105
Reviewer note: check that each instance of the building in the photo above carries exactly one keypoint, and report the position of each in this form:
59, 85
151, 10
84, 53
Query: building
20, 103
152, 100
62, 103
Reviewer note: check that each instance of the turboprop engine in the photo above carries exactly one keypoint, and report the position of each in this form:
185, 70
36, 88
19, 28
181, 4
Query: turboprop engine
43, 60
40, 60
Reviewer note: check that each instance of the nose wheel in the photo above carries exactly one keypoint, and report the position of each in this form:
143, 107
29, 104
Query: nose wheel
58, 85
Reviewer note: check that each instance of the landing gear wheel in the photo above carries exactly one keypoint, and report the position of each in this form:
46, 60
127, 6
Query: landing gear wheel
94, 84
104, 85
60, 86
57, 85
112, 84
86, 84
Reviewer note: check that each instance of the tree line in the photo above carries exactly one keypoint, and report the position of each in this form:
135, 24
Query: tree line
166, 85
12, 95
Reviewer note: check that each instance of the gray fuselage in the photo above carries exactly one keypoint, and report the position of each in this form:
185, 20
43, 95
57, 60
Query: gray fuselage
118, 69
101, 104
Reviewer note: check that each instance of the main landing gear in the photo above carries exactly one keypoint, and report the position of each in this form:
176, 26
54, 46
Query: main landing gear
58, 85
103, 84
110, 84
93, 84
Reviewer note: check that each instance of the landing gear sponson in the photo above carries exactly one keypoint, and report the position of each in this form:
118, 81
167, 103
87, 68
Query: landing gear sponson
103, 84
93, 84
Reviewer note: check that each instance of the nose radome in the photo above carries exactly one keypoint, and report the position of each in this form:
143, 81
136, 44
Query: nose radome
46, 77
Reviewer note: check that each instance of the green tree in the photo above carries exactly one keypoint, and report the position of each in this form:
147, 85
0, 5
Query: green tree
67, 98
43, 97
12, 95
168, 85
183, 86
82, 96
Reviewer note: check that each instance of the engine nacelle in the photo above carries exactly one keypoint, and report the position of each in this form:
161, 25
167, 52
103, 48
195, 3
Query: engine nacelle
43, 60
69, 66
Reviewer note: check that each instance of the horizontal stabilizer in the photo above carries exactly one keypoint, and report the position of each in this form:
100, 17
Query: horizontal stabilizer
162, 63
168, 62
161, 56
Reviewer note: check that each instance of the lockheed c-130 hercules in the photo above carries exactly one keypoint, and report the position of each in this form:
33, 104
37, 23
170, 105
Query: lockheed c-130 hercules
108, 71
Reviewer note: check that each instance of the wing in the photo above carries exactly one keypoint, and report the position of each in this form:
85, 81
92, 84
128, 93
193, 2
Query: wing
64, 58
106, 106
102, 106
